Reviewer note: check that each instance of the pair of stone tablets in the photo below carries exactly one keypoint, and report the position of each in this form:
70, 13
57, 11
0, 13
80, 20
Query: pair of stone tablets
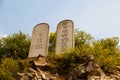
40, 38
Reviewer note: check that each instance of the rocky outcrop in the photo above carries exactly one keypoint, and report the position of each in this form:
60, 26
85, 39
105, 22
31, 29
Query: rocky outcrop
89, 70
43, 69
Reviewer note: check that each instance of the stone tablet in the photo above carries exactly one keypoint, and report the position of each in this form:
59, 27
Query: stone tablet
64, 38
39, 42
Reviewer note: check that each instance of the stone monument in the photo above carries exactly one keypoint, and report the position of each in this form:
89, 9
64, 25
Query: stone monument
64, 38
39, 42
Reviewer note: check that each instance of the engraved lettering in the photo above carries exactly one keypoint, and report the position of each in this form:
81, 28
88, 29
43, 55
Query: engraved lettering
63, 45
39, 40
64, 27
65, 40
40, 34
64, 35
65, 31
38, 46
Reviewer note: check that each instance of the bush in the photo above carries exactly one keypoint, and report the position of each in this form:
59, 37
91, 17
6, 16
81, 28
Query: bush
5, 76
8, 69
64, 62
108, 63
107, 53
16, 46
24, 64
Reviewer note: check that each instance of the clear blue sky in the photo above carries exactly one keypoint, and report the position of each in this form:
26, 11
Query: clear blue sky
100, 18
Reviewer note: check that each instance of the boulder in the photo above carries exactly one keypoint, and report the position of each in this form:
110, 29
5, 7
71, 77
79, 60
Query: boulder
89, 70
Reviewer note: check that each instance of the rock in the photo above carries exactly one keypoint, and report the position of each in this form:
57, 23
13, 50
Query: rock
115, 75
41, 61
89, 70
43, 69
118, 67
40, 70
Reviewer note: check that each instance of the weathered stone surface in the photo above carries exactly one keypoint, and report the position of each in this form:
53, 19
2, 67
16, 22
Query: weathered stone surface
115, 75
89, 70
64, 39
39, 43
42, 69
41, 61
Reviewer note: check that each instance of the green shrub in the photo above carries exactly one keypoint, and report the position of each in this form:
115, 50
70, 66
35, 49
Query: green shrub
15, 45
5, 76
107, 53
8, 69
108, 63
24, 64
65, 61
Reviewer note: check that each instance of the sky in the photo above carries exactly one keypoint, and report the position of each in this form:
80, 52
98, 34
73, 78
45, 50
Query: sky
100, 18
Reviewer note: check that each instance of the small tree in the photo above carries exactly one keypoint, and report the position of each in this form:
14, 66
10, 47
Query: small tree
83, 42
82, 38
16, 46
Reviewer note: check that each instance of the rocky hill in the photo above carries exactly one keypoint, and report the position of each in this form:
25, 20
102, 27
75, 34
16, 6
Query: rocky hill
43, 68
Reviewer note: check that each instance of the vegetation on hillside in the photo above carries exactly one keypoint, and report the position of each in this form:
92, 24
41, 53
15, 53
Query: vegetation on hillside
14, 51
15, 46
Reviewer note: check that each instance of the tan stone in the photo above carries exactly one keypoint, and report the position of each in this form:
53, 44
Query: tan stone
39, 42
41, 61
64, 38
